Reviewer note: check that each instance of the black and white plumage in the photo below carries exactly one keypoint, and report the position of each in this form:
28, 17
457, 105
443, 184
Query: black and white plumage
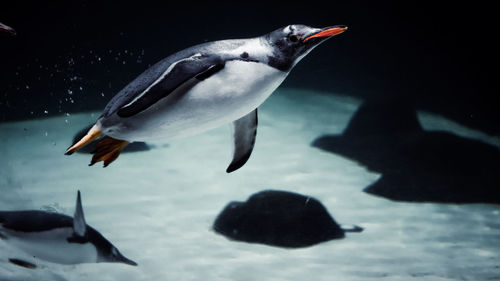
57, 238
203, 87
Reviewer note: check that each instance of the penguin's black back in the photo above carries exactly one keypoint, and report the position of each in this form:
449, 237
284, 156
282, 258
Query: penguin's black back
33, 221
38, 221
217, 50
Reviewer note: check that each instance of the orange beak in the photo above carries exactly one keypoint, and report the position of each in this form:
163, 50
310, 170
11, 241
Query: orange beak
328, 32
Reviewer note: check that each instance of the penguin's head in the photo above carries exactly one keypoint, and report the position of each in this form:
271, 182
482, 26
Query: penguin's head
115, 256
107, 252
83, 233
291, 43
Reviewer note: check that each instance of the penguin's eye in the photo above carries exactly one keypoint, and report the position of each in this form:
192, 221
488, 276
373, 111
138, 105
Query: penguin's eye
293, 38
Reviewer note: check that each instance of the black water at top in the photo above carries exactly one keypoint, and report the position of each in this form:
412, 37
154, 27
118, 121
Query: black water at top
71, 56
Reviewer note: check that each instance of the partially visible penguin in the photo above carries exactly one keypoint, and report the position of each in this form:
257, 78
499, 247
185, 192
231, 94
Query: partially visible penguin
201, 88
56, 238
7, 29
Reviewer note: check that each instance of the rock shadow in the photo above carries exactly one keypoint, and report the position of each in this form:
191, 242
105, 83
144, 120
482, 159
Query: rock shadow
416, 165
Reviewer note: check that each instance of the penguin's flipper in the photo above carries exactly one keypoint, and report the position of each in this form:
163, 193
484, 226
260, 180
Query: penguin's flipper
79, 224
244, 133
22, 263
107, 150
91, 135
179, 77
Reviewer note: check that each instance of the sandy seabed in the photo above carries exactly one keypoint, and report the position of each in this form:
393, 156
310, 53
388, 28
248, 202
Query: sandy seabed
158, 206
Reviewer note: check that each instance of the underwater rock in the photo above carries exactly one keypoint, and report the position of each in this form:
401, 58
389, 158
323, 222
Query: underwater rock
416, 165
278, 218
132, 147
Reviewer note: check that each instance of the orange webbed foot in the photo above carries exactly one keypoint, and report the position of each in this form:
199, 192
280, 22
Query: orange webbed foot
107, 150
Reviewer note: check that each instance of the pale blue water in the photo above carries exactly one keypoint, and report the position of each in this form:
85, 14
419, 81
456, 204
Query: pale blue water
158, 206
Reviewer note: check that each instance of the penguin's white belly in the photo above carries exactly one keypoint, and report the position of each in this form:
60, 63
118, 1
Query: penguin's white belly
52, 246
236, 90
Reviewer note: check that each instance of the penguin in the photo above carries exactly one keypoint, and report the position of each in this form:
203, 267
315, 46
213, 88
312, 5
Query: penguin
57, 238
201, 88
7, 29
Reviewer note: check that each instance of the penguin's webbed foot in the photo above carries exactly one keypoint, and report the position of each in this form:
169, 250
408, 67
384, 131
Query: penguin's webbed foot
107, 150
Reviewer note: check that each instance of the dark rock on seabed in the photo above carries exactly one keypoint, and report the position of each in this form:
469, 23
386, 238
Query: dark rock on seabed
278, 218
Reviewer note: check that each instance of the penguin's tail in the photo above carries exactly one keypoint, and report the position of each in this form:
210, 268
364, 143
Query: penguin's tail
92, 134
351, 228
108, 150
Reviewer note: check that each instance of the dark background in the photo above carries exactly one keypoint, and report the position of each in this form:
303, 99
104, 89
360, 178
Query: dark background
71, 56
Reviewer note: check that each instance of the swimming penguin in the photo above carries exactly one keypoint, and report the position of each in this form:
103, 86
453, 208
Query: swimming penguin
201, 88
7, 29
57, 238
